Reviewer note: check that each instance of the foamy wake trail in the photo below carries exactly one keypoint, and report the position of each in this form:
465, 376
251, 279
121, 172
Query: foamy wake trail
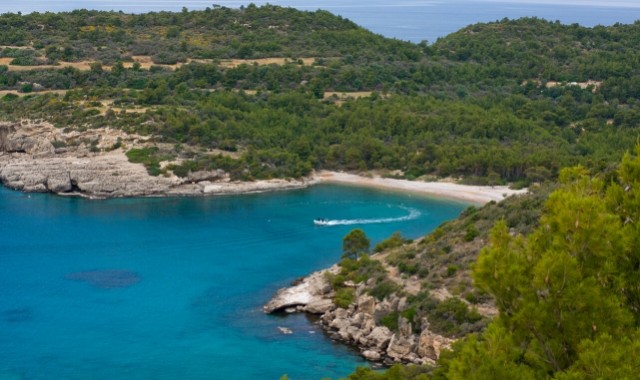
413, 214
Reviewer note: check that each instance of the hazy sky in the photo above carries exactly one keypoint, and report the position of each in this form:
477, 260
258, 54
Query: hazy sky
606, 3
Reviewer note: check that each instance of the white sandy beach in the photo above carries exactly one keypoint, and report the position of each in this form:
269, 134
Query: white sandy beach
468, 193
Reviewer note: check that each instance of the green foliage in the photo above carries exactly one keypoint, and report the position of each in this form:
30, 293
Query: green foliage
149, 157
466, 106
606, 358
390, 321
250, 32
355, 271
471, 233
384, 289
26, 87
393, 241
567, 305
490, 356
344, 297
355, 244
452, 269
451, 317
397, 372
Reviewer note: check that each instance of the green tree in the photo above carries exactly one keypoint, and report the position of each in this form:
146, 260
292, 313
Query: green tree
355, 244
567, 294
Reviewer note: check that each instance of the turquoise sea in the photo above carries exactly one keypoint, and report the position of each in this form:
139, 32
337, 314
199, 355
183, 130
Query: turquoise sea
172, 288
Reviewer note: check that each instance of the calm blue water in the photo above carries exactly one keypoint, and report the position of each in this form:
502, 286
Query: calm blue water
194, 274
413, 20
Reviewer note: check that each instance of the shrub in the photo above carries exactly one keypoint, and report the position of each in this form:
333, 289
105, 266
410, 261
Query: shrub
471, 233
390, 321
148, 157
394, 241
26, 88
384, 289
344, 297
450, 315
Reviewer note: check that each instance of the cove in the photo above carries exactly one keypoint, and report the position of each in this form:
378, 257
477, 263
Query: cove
168, 288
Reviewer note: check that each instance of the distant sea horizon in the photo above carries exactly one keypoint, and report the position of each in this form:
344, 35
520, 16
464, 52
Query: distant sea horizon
410, 20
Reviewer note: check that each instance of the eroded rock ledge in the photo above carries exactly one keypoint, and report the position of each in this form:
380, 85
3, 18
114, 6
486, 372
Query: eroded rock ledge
359, 324
37, 157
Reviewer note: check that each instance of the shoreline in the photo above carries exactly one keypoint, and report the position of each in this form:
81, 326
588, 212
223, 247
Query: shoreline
478, 195
29, 162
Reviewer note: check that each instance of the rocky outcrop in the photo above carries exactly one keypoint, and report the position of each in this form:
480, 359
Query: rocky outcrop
36, 157
104, 175
359, 324
312, 294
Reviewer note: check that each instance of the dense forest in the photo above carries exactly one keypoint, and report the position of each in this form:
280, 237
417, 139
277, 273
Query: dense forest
288, 92
272, 92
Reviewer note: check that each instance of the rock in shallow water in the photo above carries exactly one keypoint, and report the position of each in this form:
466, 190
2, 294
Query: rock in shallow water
105, 279
23, 314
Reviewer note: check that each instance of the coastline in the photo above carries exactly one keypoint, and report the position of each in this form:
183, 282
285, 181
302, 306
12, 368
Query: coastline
446, 190
29, 162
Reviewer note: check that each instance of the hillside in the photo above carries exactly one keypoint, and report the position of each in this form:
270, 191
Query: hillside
565, 288
493, 103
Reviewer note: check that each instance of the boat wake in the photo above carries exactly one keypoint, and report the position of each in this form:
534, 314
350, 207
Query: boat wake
413, 214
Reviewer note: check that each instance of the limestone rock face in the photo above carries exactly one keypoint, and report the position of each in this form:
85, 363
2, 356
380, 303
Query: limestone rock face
404, 327
366, 304
59, 182
207, 175
309, 293
380, 337
17, 141
30, 162
371, 355
104, 175
319, 306
430, 345
400, 346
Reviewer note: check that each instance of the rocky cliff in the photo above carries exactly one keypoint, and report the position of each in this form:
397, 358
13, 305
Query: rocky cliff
36, 157
359, 324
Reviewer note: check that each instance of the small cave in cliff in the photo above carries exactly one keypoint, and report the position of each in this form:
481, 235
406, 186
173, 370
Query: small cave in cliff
74, 187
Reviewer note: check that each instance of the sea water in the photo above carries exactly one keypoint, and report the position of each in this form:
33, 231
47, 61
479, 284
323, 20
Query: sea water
411, 20
172, 288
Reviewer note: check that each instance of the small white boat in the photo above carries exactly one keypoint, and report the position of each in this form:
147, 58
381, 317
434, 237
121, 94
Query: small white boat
321, 222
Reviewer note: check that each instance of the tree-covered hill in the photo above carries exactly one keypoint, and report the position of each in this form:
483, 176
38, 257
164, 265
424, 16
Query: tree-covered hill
532, 49
249, 32
567, 290
510, 101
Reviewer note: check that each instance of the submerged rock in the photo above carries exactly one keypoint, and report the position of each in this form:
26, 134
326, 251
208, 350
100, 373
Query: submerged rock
105, 279
23, 314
